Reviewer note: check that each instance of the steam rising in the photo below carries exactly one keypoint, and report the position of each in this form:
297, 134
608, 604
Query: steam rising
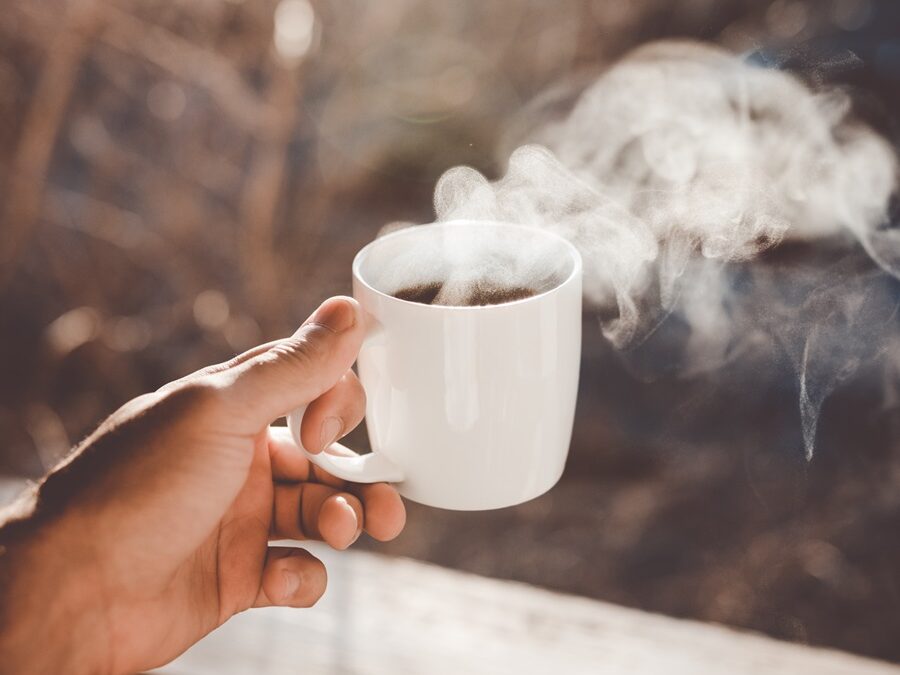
677, 167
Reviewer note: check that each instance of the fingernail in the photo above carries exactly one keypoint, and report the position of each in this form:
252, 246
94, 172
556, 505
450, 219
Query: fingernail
292, 583
355, 536
343, 501
331, 431
336, 314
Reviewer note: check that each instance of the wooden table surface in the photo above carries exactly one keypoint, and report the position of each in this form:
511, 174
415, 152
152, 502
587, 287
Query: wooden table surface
394, 616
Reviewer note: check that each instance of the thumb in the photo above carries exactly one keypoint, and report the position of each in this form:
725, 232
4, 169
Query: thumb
299, 369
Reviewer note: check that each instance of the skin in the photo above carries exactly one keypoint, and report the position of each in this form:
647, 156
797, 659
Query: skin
155, 530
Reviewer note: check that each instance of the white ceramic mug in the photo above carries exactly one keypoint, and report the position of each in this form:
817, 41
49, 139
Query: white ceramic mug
469, 407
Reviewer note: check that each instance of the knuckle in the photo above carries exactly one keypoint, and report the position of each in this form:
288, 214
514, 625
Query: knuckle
308, 522
307, 349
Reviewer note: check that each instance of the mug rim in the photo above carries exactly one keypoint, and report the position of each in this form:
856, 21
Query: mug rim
361, 255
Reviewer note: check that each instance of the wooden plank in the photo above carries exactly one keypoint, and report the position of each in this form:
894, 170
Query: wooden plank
386, 615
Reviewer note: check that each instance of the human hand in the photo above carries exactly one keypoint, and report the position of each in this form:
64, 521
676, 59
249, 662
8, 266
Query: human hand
155, 531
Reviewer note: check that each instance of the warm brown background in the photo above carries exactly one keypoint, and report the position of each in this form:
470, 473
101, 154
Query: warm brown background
174, 191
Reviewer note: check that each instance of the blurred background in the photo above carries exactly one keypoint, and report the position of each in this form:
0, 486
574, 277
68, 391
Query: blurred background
185, 179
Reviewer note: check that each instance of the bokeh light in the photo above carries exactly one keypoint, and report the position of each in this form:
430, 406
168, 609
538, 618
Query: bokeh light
295, 23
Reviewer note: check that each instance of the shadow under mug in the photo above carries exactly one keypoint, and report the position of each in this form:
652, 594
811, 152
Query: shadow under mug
468, 407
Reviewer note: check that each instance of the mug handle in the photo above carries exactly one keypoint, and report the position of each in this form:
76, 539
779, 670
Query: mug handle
371, 468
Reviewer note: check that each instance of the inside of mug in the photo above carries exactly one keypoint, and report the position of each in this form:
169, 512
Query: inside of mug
467, 263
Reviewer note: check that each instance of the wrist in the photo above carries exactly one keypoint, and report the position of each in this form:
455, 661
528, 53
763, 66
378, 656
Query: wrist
51, 614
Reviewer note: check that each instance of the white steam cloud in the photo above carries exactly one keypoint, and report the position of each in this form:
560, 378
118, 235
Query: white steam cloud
683, 158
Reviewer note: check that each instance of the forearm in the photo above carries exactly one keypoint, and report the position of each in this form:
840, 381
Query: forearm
49, 621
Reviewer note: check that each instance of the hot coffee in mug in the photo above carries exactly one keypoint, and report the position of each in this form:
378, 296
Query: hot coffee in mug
470, 364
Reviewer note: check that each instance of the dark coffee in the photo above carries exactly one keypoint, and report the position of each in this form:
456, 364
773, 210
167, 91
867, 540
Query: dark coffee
479, 294
424, 294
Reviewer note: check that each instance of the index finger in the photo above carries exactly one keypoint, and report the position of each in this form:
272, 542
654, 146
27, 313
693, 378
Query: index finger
290, 464
287, 460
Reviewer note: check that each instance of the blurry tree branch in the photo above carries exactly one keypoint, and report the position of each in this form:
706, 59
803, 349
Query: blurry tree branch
171, 53
260, 197
101, 149
67, 46
186, 61
120, 228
